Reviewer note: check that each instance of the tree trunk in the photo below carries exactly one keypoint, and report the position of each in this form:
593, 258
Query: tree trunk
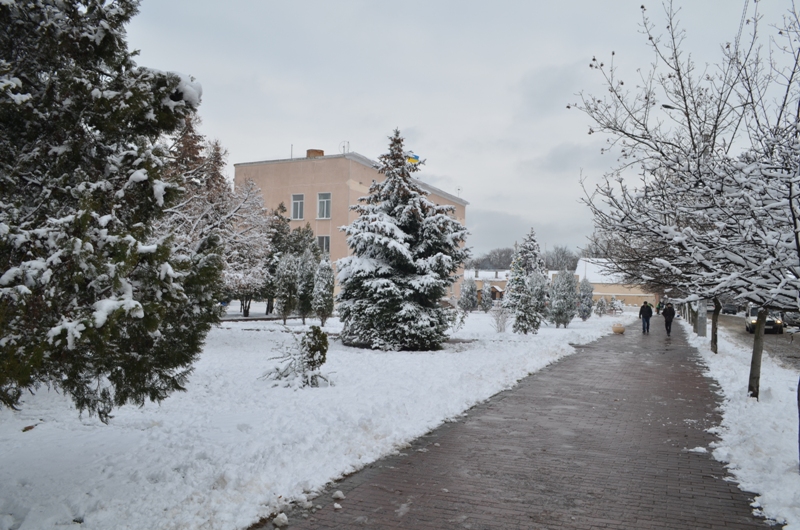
758, 349
246, 306
693, 317
714, 320
798, 413
270, 305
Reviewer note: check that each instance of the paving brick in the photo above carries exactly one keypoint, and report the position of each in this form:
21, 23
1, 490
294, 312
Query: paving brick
598, 440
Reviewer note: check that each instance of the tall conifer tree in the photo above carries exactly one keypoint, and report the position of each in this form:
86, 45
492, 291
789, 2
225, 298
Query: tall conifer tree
92, 302
406, 251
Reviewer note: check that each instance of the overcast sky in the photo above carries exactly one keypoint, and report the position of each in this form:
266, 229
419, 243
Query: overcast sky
478, 89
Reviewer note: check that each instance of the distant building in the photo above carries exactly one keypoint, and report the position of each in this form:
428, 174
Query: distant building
608, 285
320, 189
497, 279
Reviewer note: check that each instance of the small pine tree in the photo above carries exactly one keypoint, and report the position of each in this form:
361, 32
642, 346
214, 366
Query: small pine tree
305, 284
300, 364
601, 307
615, 304
486, 297
322, 302
563, 298
469, 296
516, 282
586, 299
286, 286
302, 239
531, 311
540, 291
531, 255
525, 318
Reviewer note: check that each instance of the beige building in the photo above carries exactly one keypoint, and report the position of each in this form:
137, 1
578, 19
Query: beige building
608, 285
497, 280
320, 189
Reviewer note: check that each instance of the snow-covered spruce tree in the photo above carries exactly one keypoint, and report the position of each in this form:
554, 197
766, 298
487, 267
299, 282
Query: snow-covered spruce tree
524, 316
531, 308
280, 230
517, 278
601, 307
305, 284
540, 288
531, 255
300, 364
406, 251
586, 299
563, 299
468, 301
322, 302
286, 286
90, 301
615, 305
486, 296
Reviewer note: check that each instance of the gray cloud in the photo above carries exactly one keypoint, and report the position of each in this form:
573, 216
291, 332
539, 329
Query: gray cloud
496, 229
479, 89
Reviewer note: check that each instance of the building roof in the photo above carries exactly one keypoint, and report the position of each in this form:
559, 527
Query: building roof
486, 274
361, 159
594, 270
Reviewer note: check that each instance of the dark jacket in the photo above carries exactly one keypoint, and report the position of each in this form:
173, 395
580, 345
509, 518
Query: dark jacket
645, 311
669, 313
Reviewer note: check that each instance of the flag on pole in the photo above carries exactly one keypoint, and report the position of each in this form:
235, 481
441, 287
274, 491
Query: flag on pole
411, 158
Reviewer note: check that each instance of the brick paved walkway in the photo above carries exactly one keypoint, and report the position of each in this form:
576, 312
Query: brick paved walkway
598, 440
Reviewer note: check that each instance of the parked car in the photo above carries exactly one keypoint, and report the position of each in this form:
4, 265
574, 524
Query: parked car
774, 322
729, 309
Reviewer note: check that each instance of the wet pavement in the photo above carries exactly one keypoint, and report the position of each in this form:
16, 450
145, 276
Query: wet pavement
612, 437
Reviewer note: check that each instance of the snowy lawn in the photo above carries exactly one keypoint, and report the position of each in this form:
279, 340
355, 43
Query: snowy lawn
235, 448
759, 439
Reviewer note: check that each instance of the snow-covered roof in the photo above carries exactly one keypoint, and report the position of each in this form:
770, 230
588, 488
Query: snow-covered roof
486, 275
592, 268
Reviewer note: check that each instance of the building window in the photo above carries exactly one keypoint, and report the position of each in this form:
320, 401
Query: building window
297, 206
324, 243
324, 211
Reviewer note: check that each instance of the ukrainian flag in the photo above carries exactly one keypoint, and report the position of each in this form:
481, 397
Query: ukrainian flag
411, 158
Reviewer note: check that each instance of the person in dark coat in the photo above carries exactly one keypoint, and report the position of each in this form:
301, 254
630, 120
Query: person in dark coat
645, 312
669, 314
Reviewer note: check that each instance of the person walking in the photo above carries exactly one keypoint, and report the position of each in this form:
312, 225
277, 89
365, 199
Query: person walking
669, 314
645, 312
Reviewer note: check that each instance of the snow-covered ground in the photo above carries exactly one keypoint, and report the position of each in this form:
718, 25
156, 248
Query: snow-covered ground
759, 439
235, 448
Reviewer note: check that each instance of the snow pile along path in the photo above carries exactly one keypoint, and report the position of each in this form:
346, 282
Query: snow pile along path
759, 439
235, 448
